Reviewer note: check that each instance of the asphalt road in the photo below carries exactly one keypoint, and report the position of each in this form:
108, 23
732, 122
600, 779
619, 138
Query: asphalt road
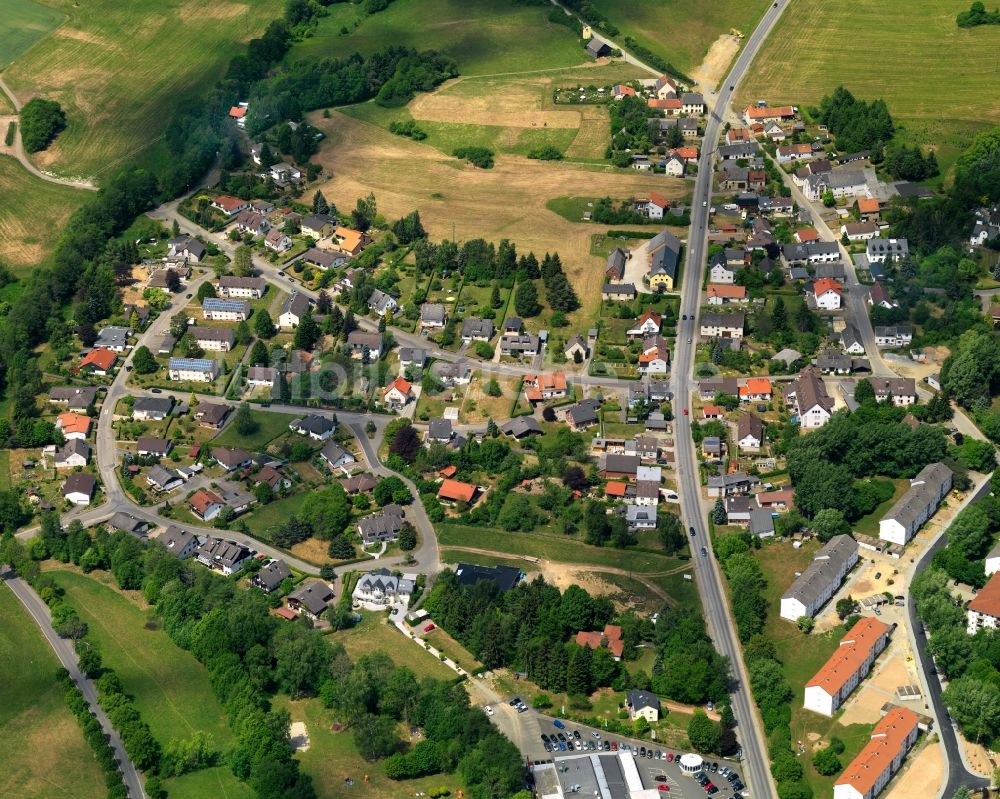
720, 624
958, 775
39, 612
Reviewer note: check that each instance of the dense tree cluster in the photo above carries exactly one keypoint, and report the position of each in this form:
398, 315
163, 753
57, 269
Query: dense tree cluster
41, 122
630, 129
909, 163
558, 291
529, 628
857, 125
477, 156
687, 668
977, 15
829, 466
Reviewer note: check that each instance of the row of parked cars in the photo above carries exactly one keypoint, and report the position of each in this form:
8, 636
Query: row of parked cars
735, 783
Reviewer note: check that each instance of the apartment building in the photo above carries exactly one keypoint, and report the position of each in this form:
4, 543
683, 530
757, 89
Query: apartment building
882, 756
917, 505
847, 667
821, 579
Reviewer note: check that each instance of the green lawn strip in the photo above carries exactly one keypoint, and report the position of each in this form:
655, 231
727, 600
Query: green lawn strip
269, 426
373, 634
483, 37
171, 688
209, 783
25, 22
44, 755
452, 556
564, 549
4, 470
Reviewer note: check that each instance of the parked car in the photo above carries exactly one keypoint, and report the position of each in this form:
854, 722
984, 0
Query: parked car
558, 725
489, 710
428, 627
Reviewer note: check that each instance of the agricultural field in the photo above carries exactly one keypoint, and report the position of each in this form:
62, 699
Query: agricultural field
25, 22
31, 215
483, 36
508, 201
684, 31
120, 70
44, 755
938, 101
172, 690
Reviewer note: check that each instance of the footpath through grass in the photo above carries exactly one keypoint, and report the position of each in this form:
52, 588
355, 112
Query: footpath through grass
44, 755
171, 688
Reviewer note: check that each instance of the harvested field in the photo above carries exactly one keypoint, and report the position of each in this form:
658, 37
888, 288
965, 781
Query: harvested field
507, 201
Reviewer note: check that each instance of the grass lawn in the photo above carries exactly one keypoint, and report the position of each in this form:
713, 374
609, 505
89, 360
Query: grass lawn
681, 31
373, 634
483, 36
869, 524
937, 101
457, 556
452, 649
44, 754
275, 513
269, 426
25, 22
114, 68
30, 214
561, 548
171, 688
4, 470
209, 783
332, 758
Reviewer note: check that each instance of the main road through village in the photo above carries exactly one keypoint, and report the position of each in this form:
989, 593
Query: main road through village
426, 556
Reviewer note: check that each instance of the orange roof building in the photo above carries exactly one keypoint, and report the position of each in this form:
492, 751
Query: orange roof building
456, 491
448, 471
659, 200
687, 153
806, 235
543, 387
398, 392
611, 637
712, 411
73, 425
756, 389
616, 489
869, 205
826, 285
237, 112
882, 756
351, 241
847, 667
205, 503
984, 609
670, 104
99, 360
719, 293
754, 113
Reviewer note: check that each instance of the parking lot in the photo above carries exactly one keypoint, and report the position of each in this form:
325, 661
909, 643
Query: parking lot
568, 763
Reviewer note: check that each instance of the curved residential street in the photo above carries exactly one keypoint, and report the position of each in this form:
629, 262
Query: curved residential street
63, 649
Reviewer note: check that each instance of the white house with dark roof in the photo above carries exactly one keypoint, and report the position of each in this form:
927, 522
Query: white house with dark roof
318, 428
379, 589
292, 310
917, 505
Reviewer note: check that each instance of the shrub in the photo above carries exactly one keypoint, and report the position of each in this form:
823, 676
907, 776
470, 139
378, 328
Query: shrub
546, 153
477, 156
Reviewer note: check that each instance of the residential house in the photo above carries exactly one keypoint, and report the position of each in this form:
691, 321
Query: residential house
223, 310
839, 182
719, 325
983, 612
452, 374
205, 504
575, 348
186, 247
228, 557
457, 491
230, 458
72, 454
987, 226
163, 479
762, 114
734, 178
398, 393
318, 428
670, 106
380, 588
610, 637
583, 415
738, 509
749, 432
521, 426
76, 398
807, 395
230, 206
707, 389
381, 303
673, 166
476, 329
271, 576
433, 316
79, 488
73, 425
712, 447
851, 341
648, 324
833, 361
761, 523
292, 310
739, 152
810, 253
520, 345
869, 209
622, 292
795, 152
283, 174
880, 250
654, 362
350, 242
846, 667
98, 362
412, 356
615, 269
901, 391
692, 103
323, 259
720, 272
917, 505
114, 338
382, 526
272, 478
859, 231
820, 580
362, 343
538, 388
439, 431
663, 252
598, 49
214, 339
337, 457
128, 523
893, 336
620, 91
883, 755
781, 499
643, 704
723, 294
317, 226
262, 376
277, 240
638, 517
154, 409
148, 446
359, 484
252, 222
730, 484
310, 599
614, 465
665, 87
197, 370
878, 295
828, 294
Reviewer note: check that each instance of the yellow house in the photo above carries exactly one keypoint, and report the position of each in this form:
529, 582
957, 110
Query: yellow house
664, 253
643, 704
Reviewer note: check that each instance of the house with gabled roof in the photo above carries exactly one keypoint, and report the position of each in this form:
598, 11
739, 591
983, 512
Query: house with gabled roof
398, 393
98, 362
